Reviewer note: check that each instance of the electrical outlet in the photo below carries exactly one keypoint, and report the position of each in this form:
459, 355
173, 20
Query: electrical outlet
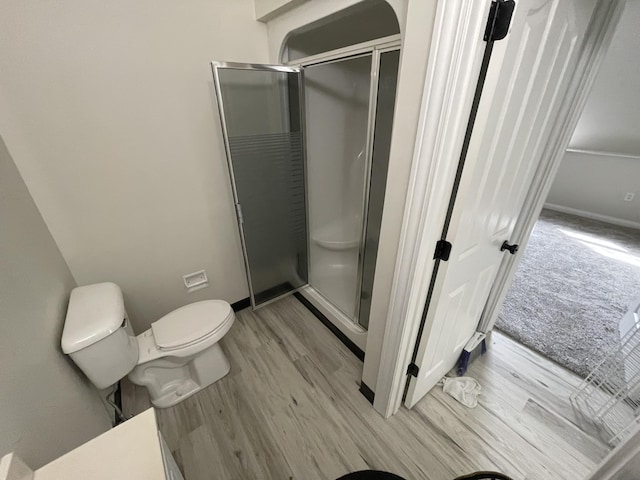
629, 196
196, 280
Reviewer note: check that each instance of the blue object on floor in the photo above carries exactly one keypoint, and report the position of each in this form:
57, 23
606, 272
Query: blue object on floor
476, 347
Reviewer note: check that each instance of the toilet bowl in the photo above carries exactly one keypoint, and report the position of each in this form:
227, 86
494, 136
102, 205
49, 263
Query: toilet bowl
180, 355
177, 357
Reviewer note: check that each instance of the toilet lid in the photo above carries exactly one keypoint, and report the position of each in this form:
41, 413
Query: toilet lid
190, 323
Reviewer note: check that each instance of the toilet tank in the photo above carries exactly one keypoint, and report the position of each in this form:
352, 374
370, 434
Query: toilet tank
97, 334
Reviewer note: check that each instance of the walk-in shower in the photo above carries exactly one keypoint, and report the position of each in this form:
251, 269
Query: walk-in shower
308, 149
349, 112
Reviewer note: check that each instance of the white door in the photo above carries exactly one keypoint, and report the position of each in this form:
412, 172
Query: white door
527, 78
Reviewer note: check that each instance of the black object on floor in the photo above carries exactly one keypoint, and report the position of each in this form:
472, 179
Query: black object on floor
117, 398
484, 476
370, 475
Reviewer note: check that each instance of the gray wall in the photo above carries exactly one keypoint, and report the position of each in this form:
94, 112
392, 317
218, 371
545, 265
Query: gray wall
594, 181
47, 408
611, 117
595, 185
362, 22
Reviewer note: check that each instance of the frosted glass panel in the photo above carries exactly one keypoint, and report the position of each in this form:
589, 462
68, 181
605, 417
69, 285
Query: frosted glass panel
337, 106
261, 110
387, 80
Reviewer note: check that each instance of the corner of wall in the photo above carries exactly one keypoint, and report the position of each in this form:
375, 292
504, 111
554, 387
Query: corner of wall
43, 396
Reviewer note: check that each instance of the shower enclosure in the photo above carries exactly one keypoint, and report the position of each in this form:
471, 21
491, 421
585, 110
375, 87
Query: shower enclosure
308, 149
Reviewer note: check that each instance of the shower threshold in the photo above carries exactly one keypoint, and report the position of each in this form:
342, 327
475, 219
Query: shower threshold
351, 334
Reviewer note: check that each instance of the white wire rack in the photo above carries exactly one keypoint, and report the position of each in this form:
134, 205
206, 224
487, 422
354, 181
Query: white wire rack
609, 398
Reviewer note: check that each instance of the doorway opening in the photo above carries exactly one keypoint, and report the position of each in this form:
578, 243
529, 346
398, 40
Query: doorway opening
576, 281
576, 292
524, 122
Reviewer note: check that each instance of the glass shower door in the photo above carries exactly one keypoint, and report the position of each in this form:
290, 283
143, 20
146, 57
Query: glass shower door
383, 126
260, 111
349, 105
337, 99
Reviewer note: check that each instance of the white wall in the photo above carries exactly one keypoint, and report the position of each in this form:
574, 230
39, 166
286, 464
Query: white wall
108, 109
595, 186
610, 123
363, 22
47, 406
267, 9
280, 27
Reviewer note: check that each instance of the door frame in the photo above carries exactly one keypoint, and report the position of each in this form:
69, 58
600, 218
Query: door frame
455, 57
392, 42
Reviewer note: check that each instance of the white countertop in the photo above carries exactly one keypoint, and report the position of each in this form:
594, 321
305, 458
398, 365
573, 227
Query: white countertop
130, 451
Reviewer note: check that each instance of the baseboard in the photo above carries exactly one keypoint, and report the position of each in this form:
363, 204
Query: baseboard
367, 392
327, 323
593, 216
241, 304
272, 293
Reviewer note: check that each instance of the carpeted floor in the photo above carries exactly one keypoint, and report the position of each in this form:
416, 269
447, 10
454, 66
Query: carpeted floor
574, 284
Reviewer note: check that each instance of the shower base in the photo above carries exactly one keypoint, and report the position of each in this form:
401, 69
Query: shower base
347, 327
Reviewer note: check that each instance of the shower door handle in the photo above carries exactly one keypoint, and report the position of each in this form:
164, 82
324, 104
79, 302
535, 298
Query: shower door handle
239, 213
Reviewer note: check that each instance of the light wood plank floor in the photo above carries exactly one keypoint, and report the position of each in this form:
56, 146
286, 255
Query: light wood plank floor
290, 408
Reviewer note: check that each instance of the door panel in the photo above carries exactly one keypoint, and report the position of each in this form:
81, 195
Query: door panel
262, 125
383, 127
527, 77
337, 109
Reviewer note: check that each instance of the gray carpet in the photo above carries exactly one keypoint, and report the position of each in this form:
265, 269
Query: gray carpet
575, 282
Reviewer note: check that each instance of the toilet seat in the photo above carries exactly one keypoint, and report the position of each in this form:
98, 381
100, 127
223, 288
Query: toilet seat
191, 324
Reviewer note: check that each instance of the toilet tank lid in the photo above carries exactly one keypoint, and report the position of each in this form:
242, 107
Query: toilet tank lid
94, 312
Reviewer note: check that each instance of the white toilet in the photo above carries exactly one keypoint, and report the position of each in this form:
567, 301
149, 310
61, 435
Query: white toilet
177, 357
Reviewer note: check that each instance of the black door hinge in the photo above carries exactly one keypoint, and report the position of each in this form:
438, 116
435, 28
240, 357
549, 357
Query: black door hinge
499, 20
443, 250
413, 370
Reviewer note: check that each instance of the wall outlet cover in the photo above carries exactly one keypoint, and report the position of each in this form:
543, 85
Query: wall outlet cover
629, 197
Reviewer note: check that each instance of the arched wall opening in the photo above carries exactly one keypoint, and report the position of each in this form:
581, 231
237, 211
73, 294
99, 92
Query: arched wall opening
359, 23
350, 61
417, 21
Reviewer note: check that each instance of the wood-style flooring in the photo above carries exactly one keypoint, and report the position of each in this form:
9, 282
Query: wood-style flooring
291, 409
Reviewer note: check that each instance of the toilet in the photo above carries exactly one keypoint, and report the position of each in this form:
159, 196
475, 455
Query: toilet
177, 357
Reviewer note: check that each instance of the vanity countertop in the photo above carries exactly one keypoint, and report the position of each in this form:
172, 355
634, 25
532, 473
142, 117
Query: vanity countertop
132, 450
